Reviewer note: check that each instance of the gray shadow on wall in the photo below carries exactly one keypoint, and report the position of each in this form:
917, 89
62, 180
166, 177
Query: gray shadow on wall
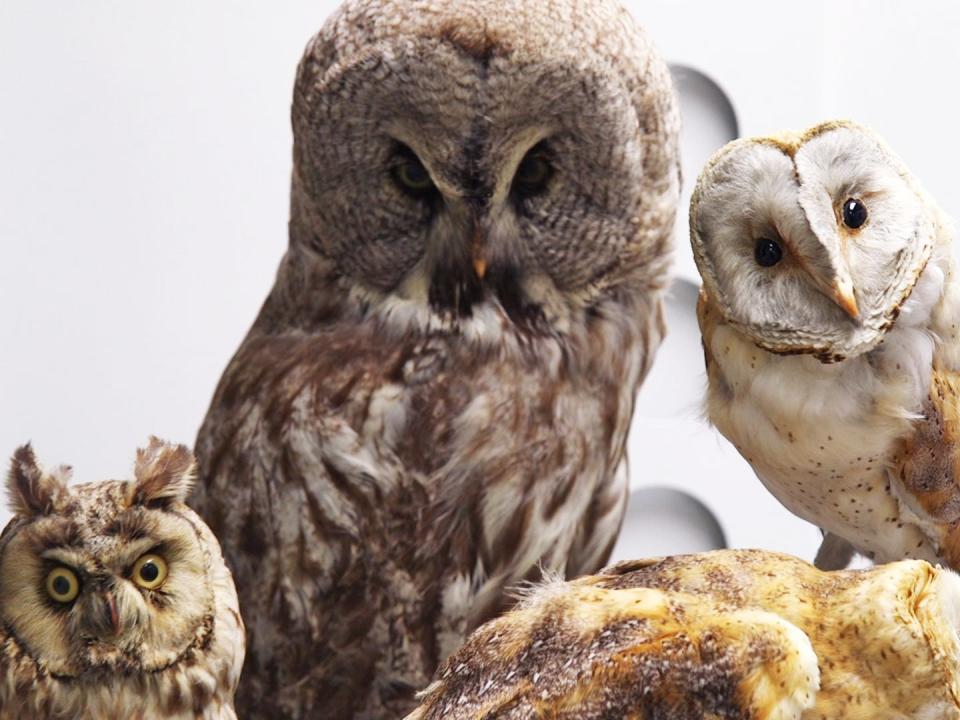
709, 123
671, 520
666, 521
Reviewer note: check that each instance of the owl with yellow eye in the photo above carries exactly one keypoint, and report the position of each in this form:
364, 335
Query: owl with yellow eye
115, 601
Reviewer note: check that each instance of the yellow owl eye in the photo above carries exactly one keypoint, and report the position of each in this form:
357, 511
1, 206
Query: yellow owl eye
150, 571
63, 584
533, 173
412, 175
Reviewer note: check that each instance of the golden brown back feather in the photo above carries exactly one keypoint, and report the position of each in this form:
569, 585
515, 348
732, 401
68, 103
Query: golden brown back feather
732, 634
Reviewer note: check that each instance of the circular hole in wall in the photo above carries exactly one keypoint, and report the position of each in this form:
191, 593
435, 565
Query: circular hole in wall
709, 123
665, 521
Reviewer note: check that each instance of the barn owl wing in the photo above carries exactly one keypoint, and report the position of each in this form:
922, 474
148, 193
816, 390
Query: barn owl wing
926, 468
591, 653
928, 464
731, 633
852, 618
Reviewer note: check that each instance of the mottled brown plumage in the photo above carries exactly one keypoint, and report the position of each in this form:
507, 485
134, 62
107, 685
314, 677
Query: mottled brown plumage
144, 622
435, 397
728, 634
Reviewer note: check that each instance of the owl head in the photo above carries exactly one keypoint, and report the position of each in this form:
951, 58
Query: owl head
812, 242
110, 577
450, 156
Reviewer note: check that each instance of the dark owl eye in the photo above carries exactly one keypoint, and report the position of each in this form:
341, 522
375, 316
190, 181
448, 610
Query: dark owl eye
533, 173
150, 571
410, 174
767, 252
854, 213
63, 584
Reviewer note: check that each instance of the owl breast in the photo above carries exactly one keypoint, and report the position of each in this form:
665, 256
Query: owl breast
201, 689
377, 494
822, 438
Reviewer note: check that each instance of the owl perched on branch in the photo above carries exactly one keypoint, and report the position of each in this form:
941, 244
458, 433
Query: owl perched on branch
114, 598
434, 400
727, 634
829, 312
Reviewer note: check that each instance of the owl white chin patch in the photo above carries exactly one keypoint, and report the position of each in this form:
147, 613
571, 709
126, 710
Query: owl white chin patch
486, 324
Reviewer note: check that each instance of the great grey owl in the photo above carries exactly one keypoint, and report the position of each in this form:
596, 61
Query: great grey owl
433, 402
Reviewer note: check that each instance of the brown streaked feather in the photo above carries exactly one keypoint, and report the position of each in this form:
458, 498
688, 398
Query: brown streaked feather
407, 432
164, 472
345, 535
30, 489
636, 653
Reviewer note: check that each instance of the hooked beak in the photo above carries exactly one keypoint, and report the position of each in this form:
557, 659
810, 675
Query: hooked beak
833, 281
110, 610
476, 252
842, 294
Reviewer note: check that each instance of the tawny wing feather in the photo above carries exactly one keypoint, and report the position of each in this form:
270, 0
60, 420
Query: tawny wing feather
644, 653
928, 465
294, 494
734, 633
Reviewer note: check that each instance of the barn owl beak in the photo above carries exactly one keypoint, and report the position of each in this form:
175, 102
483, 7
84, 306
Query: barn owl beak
842, 294
832, 278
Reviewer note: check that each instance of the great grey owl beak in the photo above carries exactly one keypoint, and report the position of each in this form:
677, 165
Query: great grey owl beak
478, 239
479, 261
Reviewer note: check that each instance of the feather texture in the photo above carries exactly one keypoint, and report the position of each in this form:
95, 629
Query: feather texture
833, 370
112, 648
728, 634
434, 400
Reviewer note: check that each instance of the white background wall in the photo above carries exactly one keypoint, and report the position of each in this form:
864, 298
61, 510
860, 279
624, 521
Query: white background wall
144, 161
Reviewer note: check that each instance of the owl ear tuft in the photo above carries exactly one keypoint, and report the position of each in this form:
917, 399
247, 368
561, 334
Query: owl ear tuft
164, 473
30, 490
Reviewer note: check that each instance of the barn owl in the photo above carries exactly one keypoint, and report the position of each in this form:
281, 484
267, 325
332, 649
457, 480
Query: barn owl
434, 400
114, 597
829, 314
726, 634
